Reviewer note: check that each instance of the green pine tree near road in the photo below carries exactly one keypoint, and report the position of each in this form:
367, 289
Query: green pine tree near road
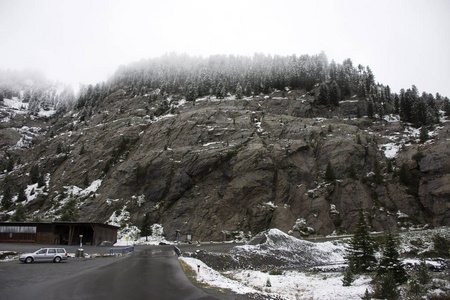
361, 252
390, 261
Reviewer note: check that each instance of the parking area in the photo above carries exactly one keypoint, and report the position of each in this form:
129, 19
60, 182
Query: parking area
30, 247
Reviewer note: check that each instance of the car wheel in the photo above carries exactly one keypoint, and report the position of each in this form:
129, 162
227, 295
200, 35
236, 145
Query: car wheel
57, 259
28, 260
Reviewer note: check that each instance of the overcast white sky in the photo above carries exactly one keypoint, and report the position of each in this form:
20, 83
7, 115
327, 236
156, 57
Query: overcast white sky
405, 42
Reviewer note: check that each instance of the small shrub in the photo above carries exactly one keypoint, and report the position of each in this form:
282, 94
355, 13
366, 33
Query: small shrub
423, 276
348, 277
441, 246
385, 287
276, 272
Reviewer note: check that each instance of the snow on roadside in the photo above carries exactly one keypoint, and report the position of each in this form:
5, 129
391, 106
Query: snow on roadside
214, 278
289, 285
277, 248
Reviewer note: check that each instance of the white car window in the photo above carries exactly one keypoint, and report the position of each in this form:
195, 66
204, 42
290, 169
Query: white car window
51, 251
42, 251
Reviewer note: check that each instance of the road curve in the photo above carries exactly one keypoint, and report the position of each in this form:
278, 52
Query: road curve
152, 272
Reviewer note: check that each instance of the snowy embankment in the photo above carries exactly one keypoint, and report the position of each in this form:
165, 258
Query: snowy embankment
280, 249
256, 268
288, 285
274, 248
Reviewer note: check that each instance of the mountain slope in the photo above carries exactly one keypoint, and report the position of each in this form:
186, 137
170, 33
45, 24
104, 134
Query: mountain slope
223, 167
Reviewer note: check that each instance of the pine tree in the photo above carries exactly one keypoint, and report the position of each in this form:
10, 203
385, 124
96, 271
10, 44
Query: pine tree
414, 287
423, 134
335, 94
370, 79
386, 287
361, 252
324, 94
397, 104
441, 246
21, 196
248, 89
86, 179
378, 178
239, 91
82, 151
220, 91
41, 180
446, 106
404, 175
348, 278
10, 164
19, 214
34, 174
352, 171
329, 173
146, 229
7, 195
423, 276
389, 166
69, 211
366, 295
370, 110
390, 261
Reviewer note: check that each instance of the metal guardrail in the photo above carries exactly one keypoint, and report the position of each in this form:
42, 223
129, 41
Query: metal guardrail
113, 251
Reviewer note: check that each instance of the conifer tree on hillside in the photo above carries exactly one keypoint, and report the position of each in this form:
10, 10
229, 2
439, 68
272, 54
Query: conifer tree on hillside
324, 94
21, 195
385, 287
390, 261
19, 215
146, 228
335, 94
361, 252
447, 106
7, 194
329, 173
239, 92
69, 211
34, 174
370, 110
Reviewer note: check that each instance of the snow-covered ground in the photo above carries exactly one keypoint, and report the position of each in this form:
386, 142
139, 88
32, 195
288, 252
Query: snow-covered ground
20, 107
288, 285
273, 248
134, 238
277, 249
300, 284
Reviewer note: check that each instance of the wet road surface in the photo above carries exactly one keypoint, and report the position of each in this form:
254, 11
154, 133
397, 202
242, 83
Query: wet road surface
151, 272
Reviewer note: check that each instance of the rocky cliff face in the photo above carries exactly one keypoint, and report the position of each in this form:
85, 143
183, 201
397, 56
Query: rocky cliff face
219, 168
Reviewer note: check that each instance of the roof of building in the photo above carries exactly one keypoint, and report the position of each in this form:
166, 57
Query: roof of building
56, 223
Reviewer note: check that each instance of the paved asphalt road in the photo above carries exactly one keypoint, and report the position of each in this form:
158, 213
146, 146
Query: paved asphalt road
151, 272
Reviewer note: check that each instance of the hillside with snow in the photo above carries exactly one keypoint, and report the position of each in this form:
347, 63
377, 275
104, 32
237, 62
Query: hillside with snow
294, 143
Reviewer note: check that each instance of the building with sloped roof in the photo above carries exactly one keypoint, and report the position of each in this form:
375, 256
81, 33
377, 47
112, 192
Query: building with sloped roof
58, 233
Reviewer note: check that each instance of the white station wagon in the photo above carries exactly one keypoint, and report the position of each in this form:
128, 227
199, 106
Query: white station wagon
45, 254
